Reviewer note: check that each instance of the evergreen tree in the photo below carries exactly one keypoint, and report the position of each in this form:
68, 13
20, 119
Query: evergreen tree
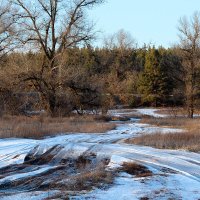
153, 84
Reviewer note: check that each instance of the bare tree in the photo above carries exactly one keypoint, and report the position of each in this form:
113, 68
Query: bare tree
122, 39
52, 26
7, 45
189, 34
122, 45
7, 28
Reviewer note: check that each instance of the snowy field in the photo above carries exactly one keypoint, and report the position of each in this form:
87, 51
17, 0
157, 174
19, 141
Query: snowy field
176, 173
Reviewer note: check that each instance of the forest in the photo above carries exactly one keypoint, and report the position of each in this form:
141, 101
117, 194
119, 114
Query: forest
48, 62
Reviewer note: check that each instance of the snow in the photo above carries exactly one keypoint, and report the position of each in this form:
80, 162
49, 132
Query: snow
38, 195
23, 175
154, 113
184, 183
150, 112
156, 187
13, 151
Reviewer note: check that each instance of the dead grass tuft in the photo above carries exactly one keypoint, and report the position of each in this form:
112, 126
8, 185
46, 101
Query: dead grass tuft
94, 178
136, 169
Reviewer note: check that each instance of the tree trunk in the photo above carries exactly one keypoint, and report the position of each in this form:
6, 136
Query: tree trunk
52, 104
190, 108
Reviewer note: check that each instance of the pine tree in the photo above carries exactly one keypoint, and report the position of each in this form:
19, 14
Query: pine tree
153, 81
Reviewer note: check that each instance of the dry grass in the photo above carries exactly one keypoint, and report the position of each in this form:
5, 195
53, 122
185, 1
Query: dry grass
85, 181
136, 169
40, 126
93, 178
67, 178
88, 177
174, 122
169, 122
176, 111
188, 141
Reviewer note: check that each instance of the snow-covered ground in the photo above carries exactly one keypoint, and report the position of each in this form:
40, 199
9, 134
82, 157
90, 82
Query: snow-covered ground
176, 173
143, 111
150, 112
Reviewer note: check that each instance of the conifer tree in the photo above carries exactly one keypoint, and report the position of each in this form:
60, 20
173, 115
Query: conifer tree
152, 81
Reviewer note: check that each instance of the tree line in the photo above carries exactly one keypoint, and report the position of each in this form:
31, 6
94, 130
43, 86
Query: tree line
47, 61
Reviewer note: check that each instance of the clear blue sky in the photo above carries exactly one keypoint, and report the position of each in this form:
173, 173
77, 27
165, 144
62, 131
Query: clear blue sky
147, 21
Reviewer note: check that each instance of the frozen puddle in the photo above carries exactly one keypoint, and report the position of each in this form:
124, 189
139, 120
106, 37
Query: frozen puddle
28, 166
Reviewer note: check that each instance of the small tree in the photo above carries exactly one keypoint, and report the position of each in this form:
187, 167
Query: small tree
189, 34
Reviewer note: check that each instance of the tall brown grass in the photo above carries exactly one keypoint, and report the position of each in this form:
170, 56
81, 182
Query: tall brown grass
40, 126
174, 122
189, 139
176, 111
